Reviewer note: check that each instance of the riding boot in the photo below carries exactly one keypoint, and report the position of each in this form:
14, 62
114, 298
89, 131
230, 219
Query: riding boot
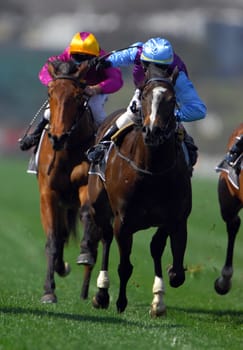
32, 139
234, 151
191, 148
97, 152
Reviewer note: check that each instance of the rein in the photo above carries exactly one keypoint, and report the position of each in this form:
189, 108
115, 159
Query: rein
140, 170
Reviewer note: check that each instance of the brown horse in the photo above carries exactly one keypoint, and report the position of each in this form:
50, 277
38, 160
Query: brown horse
147, 183
63, 167
231, 202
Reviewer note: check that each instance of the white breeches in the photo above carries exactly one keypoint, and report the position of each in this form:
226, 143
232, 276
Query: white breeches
128, 116
96, 104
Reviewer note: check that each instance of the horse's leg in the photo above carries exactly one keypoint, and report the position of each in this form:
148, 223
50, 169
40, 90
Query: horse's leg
89, 242
230, 207
157, 246
88, 246
125, 268
54, 248
62, 268
102, 298
178, 240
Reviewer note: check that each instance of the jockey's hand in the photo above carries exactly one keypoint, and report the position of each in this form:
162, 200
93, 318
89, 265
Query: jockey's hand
103, 64
99, 63
92, 90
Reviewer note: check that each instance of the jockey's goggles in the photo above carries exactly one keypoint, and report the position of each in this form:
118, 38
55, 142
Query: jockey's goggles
79, 58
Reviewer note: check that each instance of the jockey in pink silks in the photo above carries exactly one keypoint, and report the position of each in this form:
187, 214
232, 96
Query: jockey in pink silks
84, 46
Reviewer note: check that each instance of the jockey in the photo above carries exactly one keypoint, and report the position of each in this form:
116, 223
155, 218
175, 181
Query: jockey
234, 152
158, 51
83, 46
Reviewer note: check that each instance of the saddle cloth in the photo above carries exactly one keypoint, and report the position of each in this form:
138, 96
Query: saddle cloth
34, 158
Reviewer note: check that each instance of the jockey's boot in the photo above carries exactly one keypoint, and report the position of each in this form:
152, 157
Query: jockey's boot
32, 139
235, 151
191, 148
97, 152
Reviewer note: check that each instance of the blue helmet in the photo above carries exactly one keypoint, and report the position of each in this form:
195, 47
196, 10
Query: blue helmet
157, 50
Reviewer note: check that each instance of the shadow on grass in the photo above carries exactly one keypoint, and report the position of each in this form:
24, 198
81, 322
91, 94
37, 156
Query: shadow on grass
220, 315
84, 318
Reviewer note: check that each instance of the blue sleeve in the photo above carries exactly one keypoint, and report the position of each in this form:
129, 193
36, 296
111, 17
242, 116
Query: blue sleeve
190, 106
124, 57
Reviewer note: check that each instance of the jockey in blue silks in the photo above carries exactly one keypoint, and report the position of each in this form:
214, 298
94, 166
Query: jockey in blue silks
158, 51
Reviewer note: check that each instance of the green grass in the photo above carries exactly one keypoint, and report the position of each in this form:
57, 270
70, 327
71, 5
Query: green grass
197, 318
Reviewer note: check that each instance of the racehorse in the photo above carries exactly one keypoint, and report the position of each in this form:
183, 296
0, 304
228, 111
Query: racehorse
63, 167
230, 202
147, 183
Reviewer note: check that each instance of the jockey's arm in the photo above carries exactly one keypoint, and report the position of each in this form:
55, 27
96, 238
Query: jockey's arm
190, 106
124, 57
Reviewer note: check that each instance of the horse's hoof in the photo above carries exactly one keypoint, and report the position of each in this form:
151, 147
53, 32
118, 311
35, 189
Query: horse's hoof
98, 305
176, 279
49, 299
155, 312
222, 287
67, 270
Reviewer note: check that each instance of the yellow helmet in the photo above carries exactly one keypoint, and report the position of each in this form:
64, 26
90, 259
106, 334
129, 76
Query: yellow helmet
84, 43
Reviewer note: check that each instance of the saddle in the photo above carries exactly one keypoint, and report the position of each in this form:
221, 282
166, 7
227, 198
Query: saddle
233, 171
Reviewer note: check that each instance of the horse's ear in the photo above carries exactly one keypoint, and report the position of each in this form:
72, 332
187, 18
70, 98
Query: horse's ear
52, 66
83, 68
174, 75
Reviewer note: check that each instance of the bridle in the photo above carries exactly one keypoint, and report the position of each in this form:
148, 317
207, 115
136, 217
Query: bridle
58, 142
166, 132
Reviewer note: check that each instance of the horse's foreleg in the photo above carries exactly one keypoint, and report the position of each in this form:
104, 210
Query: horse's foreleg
53, 225
102, 298
178, 240
157, 246
125, 268
158, 307
49, 285
222, 284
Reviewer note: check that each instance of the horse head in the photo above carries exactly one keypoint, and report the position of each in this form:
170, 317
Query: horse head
66, 100
158, 105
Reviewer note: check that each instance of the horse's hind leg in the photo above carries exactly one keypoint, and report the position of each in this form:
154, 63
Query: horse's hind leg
157, 246
230, 207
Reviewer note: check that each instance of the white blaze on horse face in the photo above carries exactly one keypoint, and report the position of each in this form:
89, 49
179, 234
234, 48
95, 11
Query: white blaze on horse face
157, 95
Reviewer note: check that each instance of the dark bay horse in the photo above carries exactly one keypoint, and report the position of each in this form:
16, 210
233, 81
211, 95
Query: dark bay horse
231, 202
147, 183
63, 167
